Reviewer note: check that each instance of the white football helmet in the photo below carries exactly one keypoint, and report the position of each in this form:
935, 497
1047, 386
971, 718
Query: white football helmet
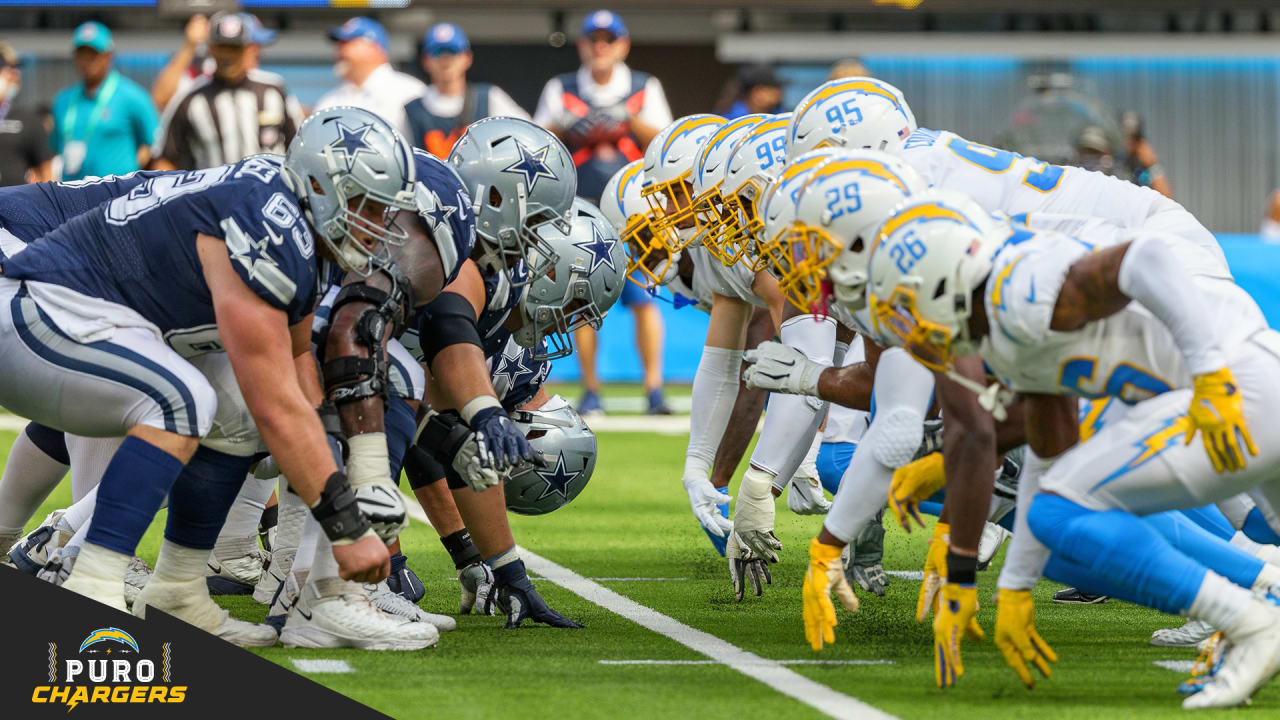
853, 113
668, 173
709, 171
838, 212
926, 261
753, 166
778, 212
649, 262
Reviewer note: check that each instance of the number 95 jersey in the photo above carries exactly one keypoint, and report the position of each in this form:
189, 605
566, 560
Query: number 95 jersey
132, 261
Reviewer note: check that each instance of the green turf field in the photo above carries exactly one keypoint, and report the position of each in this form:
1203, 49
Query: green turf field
633, 521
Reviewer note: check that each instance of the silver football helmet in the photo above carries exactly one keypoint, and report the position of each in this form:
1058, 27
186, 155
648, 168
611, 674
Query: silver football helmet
585, 280
352, 173
558, 433
521, 179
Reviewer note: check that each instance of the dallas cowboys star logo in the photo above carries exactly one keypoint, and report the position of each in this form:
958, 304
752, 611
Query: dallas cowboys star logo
557, 479
511, 367
433, 209
532, 165
601, 250
351, 142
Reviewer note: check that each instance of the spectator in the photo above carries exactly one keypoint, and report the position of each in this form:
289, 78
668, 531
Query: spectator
197, 135
1270, 230
1094, 152
1144, 165
760, 91
24, 144
106, 111
450, 104
362, 53
606, 114
849, 67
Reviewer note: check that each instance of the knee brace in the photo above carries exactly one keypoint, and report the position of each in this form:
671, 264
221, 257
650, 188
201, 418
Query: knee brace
895, 436
351, 378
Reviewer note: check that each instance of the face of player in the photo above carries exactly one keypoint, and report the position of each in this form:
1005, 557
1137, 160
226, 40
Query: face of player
601, 51
447, 68
231, 62
91, 65
680, 201
372, 214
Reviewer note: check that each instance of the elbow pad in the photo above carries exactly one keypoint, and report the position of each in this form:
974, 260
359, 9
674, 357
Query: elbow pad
448, 320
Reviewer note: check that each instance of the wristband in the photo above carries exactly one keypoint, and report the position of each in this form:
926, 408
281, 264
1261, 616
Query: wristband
961, 569
338, 514
476, 404
461, 549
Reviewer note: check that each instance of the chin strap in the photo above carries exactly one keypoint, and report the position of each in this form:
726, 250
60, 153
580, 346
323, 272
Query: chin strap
993, 398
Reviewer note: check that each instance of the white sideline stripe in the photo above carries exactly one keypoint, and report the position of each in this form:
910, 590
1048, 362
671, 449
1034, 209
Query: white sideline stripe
906, 574
769, 672
322, 666
1178, 666
12, 422
780, 662
660, 424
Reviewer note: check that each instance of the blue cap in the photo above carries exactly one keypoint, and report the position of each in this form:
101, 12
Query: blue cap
445, 38
604, 20
258, 35
361, 27
93, 35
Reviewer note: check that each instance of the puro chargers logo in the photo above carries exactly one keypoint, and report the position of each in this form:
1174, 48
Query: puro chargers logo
109, 667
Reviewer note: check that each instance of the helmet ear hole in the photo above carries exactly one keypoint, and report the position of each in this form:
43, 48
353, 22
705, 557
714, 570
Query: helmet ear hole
941, 289
315, 186
857, 245
495, 197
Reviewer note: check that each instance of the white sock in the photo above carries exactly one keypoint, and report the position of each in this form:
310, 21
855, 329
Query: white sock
1267, 578
99, 563
178, 563
246, 511
78, 514
1242, 541
506, 557
77, 540
292, 518
29, 477
307, 547
89, 460
1219, 602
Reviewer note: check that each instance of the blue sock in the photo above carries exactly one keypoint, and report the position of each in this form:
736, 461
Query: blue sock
1006, 522
202, 497
51, 442
719, 542
1258, 530
1211, 518
1139, 562
130, 494
833, 461
1208, 549
400, 425
929, 507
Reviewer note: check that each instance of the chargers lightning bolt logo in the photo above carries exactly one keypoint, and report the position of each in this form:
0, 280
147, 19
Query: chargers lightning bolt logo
532, 165
1156, 442
113, 634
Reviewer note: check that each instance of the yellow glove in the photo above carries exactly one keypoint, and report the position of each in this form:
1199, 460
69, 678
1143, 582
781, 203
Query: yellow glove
825, 574
912, 484
956, 618
1217, 410
1017, 638
935, 570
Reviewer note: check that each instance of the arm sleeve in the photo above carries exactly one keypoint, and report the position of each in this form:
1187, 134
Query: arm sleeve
715, 389
550, 104
1151, 275
656, 111
500, 103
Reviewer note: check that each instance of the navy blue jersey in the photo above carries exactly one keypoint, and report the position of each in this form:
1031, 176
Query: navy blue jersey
139, 249
444, 210
29, 211
499, 302
516, 375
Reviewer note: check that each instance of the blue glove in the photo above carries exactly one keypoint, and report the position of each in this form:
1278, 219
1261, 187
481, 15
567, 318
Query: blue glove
506, 445
516, 597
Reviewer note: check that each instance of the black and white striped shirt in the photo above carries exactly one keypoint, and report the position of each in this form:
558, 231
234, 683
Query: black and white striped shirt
215, 123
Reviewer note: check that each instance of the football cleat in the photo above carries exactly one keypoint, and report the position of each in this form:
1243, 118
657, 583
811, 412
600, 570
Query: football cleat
343, 616
1076, 596
235, 566
282, 600
1251, 659
1206, 665
189, 601
59, 566
993, 536
30, 553
393, 603
278, 566
135, 578
1190, 634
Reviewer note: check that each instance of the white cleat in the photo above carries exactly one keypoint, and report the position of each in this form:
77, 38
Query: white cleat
235, 566
331, 613
396, 604
993, 536
135, 578
1250, 661
189, 601
1191, 634
278, 566
30, 552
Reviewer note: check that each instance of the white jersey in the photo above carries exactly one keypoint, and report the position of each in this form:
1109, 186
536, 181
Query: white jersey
1000, 180
733, 282
1129, 355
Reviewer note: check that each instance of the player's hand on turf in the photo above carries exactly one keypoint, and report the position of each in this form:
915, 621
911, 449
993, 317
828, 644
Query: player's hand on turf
506, 446
935, 570
753, 515
383, 505
706, 502
476, 581
956, 619
364, 561
1217, 411
825, 576
516, 597
912, 484
1017, 638
780, 368
804, 496
745, 567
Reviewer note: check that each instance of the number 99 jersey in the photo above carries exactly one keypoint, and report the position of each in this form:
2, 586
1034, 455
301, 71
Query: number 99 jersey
1000, 180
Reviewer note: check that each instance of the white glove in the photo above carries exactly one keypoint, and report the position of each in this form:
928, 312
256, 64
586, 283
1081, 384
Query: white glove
383, 504
805, 497
473, 463
780, 368
706, 502
753, 515
476, 580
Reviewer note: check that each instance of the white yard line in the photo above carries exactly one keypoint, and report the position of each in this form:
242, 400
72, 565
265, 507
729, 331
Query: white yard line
714, 662
769, 672
322, 666
14, 423
906, 574
1178, 666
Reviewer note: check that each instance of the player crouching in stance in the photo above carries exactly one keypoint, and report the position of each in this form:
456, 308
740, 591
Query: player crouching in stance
1140, 318
225, 256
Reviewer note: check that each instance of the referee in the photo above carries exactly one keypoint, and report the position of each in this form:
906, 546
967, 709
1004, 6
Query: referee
236, 112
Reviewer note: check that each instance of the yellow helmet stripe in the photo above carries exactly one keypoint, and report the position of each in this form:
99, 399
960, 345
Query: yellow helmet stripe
865, 86
925, 211
868, 167
723, 134
997, 287
687, 127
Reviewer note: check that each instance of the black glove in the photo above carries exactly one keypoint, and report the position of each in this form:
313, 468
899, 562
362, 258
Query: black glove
516, 597
506, 445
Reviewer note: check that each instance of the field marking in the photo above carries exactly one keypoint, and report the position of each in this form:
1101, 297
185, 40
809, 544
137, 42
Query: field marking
714, 662
1178, 666
322, 666
768, 672
13, 423
906, 574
